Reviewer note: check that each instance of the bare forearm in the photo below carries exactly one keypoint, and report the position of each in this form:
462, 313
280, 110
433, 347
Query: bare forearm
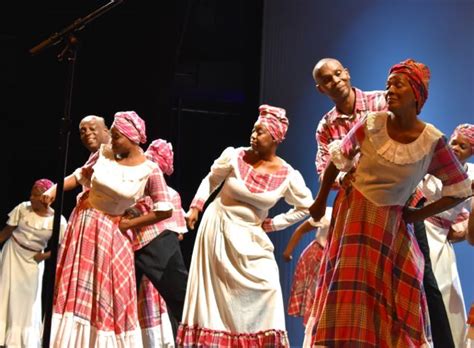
302, 229
149, 219
330, 175
6, 233
437, 207
70, 182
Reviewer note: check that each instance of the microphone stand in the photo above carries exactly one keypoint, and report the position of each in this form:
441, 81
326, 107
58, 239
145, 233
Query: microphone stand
68, 55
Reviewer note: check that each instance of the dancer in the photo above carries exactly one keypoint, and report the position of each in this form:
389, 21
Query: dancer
307, 269
157, 329
95, 301
350, 105
28, 230
371, 292
450, 224
234, 296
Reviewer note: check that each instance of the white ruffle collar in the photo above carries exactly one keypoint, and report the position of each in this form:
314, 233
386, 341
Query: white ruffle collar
394, 151
35, 221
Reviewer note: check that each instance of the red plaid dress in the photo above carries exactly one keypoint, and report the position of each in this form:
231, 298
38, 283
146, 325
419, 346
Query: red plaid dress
95, 301
370, 290
153, 317
304, 281
234, 298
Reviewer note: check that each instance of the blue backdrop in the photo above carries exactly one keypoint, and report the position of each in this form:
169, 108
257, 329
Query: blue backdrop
367, 36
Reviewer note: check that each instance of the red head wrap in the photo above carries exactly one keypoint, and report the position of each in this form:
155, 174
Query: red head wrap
418, 76
43, 184
467, 131
161, 152
131, 125
274, 120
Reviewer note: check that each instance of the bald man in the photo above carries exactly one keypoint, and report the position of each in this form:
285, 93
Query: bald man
350, 105
93, 132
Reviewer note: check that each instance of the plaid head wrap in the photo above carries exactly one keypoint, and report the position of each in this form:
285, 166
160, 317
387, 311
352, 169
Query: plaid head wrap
131, 125
418, 76
274, 120
467, 131
161, 152
43, 184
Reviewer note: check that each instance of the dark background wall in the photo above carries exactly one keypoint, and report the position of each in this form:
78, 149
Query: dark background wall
190, 68
368, 36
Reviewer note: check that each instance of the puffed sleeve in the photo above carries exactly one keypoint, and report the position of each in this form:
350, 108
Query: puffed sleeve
157, 189
447, 168
299, 196
343, 152
83, 174
220, 170
15, 215
62, 228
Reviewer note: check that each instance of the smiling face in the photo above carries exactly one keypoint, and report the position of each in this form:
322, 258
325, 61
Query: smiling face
261, 140
332, 79
461, 147
400, 96
93, 133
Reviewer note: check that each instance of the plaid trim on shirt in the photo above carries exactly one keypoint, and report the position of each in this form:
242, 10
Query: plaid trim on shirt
157, 189
446, 166
334, 125
255, 181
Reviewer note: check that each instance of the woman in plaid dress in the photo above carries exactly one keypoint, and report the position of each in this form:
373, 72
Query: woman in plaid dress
234, 297
95, 301
371, 292
447, 227
307, 269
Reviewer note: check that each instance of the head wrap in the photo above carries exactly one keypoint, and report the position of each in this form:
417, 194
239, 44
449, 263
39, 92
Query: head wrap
418, 76
43, 184
131, 125
467, 131
161, 152
274, 120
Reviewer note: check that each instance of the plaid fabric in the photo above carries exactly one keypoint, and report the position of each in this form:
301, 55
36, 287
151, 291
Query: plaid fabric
418, 75
95, 277
201, 337
275, 121
161, 152
254, 181
260, 182
370, 287
175, 223
304, 281
335, 125
157, 189
446, 166
151, 305
131, 125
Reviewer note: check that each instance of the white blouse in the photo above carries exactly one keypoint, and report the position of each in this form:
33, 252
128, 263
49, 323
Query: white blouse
388, 171
115, 187
33, 230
